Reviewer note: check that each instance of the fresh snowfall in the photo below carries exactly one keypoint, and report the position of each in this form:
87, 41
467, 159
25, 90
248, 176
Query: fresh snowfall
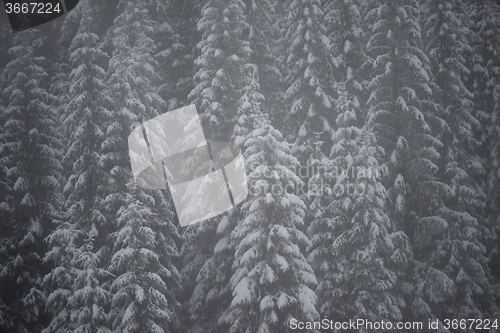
370, 131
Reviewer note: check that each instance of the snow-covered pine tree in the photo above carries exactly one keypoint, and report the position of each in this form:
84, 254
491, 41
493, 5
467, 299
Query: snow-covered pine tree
309, 76
77, 301
344, 28
223, 50
146, 281
449, 248
132, 67
211, 269
400, 112
177, 45
61, 64
212, 293
485, 81
272, 281
30, 162
144, 290
225, 91
61, 37
249, 104
260, 65
4, 187
266, 43
357, 253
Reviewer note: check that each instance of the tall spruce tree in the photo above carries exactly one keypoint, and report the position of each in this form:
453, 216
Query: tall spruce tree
176, 46
144, 249
223, 92
344, 28
223, 50
400, 112
144, 290
259, 66
79, 245
450, 241
309, 76
266, 37
357, 253
30, 179
484, 24
213, 290
272, 281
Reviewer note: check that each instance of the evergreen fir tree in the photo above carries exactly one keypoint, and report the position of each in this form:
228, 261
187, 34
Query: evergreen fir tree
177, 51
144, 290
495, 202
249, 105
400, 112
223, 51
212, 293
272, 282
310, 73
484, 23
225, 91
357, 253
266, 43
211, 268
448, 245
78, 301
146, 281
259, 66
30, 175
344, 28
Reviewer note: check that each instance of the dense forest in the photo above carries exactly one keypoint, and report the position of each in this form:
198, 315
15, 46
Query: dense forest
371, 135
